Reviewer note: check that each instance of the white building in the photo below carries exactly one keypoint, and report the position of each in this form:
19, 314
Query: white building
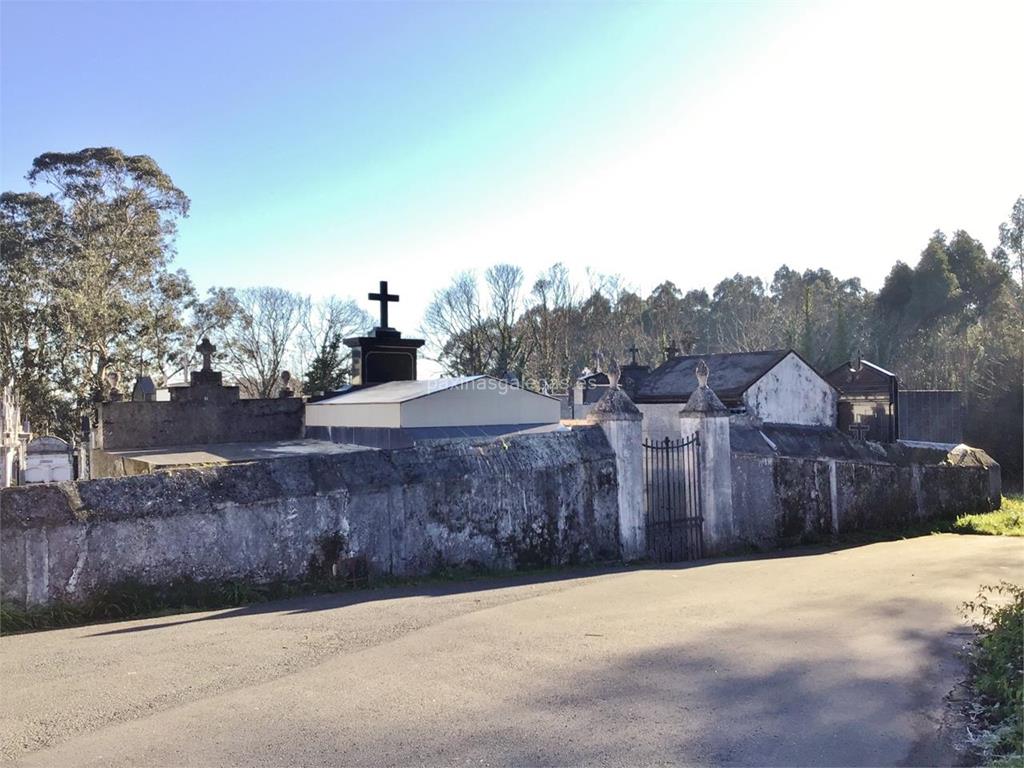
399, 413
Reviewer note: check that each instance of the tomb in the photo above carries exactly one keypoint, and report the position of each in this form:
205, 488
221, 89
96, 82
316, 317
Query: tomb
47, 460
386, 406
148, 432
868, 405
873, 406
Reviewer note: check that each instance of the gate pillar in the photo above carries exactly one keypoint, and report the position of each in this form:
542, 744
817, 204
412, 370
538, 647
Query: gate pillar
705, 413
620, 420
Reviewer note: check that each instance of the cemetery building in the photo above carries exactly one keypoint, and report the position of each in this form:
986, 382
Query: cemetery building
868, 405
873, 406
386, 406
775, 386
591, 387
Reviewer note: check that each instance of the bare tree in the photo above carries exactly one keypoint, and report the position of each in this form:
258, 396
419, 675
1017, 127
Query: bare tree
548, 329
455, 328
260, 337
318, 352
504, 284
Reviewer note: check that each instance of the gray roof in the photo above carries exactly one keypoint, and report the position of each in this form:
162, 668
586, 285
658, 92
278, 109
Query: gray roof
732, 374
802, 441
47, 444
403, 391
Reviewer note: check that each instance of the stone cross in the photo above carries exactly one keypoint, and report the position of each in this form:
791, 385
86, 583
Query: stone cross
383, 297
206, 349
860, 431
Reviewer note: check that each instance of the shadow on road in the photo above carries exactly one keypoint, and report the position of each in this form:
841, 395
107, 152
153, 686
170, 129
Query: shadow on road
444, 588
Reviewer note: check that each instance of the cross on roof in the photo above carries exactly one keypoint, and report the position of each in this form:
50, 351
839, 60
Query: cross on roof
671, 350
632, 351
383, 297
206, 349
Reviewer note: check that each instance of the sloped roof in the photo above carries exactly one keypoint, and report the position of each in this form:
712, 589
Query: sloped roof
868, 378
404, 391
802, 441
732, 374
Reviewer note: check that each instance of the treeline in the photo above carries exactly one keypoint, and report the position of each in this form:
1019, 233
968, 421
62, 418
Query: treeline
87, 291
954, 320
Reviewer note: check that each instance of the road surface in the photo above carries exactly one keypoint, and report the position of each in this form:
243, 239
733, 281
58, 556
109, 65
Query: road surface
810, 658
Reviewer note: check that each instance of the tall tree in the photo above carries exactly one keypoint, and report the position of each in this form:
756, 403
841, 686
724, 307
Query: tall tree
88, 257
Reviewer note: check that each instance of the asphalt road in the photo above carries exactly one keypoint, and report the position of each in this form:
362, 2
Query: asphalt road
835, 658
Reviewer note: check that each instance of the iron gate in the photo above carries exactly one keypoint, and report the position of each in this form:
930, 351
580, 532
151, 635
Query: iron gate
675, 522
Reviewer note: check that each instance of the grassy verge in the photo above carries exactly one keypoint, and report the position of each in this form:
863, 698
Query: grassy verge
1006, 521
996, 662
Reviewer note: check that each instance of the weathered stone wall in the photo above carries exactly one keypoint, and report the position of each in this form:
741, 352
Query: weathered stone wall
784, 500
526, 501
132, 424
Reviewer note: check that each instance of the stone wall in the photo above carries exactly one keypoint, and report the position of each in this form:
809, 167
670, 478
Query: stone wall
784, 500
134, 424
522, 502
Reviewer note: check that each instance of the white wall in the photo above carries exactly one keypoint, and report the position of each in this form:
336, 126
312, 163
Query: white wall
480, 403
47, 468
792, 393
353, 415
661, 420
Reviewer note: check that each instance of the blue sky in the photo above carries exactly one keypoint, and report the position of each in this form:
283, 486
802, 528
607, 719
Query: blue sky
329, 145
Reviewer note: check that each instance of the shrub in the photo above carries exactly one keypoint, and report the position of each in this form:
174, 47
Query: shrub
997, 664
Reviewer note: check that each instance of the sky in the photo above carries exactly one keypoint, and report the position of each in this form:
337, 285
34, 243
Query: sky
328, 145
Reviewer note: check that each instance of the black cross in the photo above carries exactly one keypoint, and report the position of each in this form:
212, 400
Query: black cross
633, 350
671, 350
383, 297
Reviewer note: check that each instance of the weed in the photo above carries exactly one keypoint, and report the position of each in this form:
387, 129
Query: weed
997, 668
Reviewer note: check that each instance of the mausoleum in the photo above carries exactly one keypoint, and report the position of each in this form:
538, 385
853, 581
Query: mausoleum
386, 406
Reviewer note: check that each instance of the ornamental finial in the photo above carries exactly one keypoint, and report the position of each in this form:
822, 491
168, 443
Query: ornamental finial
702, 373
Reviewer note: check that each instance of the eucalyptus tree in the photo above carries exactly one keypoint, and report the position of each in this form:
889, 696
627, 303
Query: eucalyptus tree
85, 278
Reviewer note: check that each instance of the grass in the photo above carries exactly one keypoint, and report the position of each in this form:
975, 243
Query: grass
996, 661
1006, 521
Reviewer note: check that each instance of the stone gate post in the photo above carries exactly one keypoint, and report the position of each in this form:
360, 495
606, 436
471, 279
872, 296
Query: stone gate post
705, 413
620, 419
